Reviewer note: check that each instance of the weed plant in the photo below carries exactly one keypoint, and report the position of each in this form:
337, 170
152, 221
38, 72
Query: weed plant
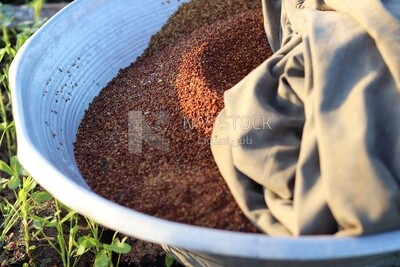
34, 225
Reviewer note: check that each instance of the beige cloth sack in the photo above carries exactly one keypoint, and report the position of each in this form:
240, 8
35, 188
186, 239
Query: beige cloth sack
330, 164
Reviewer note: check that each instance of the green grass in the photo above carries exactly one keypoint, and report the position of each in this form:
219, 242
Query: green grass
34, 226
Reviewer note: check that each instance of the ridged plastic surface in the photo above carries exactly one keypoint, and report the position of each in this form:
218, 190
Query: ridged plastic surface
56, 75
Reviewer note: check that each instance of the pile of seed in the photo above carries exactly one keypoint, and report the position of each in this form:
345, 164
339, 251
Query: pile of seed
195, 15
178, 180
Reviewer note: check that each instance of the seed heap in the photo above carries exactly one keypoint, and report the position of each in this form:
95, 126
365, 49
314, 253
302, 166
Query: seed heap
186, 81
195, 15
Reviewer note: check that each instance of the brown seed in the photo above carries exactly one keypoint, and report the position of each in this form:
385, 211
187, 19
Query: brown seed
183, 184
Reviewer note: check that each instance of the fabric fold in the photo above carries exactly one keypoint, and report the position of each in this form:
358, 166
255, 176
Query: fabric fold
322, 155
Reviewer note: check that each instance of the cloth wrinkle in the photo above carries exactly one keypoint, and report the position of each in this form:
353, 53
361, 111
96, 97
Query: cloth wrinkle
329, 160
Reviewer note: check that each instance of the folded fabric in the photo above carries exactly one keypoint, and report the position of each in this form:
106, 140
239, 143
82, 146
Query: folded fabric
312, 136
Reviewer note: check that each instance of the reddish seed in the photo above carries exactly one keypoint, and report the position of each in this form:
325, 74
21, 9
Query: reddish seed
187, 80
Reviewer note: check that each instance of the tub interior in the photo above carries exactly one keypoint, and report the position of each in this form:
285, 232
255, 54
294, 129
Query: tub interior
73, 67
